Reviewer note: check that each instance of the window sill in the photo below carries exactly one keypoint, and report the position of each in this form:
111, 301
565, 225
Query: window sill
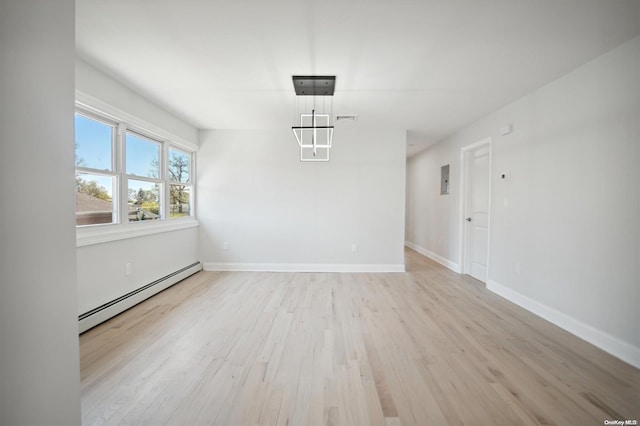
106, 233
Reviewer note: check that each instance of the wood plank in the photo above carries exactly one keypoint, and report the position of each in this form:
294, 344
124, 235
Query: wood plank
423, 347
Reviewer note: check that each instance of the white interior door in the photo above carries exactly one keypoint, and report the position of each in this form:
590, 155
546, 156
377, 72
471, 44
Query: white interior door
477, 163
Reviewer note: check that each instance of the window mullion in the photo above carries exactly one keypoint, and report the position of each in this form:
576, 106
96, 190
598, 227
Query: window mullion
164, 173
123, 210
89, 170
145, 179
192, 179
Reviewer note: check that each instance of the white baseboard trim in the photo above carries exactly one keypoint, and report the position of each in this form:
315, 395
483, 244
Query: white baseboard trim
113, 308
435, 257
301, 267
608, 343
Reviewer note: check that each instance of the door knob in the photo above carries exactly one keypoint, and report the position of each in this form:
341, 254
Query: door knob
468, 219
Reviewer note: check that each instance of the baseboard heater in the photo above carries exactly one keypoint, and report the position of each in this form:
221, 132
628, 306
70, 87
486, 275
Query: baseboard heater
110, 309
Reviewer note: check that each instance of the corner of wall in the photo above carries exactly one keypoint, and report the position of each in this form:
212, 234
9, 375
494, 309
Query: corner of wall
455, 267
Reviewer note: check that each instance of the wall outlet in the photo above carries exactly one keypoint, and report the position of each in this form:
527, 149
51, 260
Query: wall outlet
354, 248
225, 246
128, 269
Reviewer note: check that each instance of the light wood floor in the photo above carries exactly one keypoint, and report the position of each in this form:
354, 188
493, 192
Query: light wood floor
426, 347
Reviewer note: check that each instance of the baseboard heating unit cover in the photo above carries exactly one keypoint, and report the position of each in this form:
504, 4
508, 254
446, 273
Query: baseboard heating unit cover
110, 309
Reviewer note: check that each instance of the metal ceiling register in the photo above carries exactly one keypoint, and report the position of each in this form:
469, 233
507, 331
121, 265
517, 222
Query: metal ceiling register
315, 132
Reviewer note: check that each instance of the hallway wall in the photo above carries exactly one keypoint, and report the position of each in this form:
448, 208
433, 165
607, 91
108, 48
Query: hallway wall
565, 235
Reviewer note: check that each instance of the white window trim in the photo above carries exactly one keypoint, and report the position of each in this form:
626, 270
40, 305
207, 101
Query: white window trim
102, 233
97, 234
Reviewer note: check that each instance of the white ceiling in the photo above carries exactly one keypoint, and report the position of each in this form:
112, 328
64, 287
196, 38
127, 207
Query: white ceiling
430, 67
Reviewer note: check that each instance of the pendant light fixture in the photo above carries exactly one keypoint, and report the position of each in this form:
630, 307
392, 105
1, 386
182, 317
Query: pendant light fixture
314, 133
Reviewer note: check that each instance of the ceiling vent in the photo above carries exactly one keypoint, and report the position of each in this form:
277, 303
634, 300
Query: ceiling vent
346, 117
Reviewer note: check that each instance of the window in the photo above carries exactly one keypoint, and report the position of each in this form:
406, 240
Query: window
96, 181
125, 175
143, 156
180, 192
144, 200
145, 195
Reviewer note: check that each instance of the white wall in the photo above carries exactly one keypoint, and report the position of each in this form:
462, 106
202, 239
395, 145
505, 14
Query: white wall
39, 366
573, 201
432, 219
93, 82
101, 267
278, 213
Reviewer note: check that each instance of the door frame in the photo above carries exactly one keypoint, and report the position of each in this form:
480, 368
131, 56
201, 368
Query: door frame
464, 201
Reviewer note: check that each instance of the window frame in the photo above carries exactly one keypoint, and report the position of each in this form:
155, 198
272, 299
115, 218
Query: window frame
121, 228
161, 179
113, 173
190, 184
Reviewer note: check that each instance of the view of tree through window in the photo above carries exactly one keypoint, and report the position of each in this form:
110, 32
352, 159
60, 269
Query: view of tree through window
144, 200
179, 167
